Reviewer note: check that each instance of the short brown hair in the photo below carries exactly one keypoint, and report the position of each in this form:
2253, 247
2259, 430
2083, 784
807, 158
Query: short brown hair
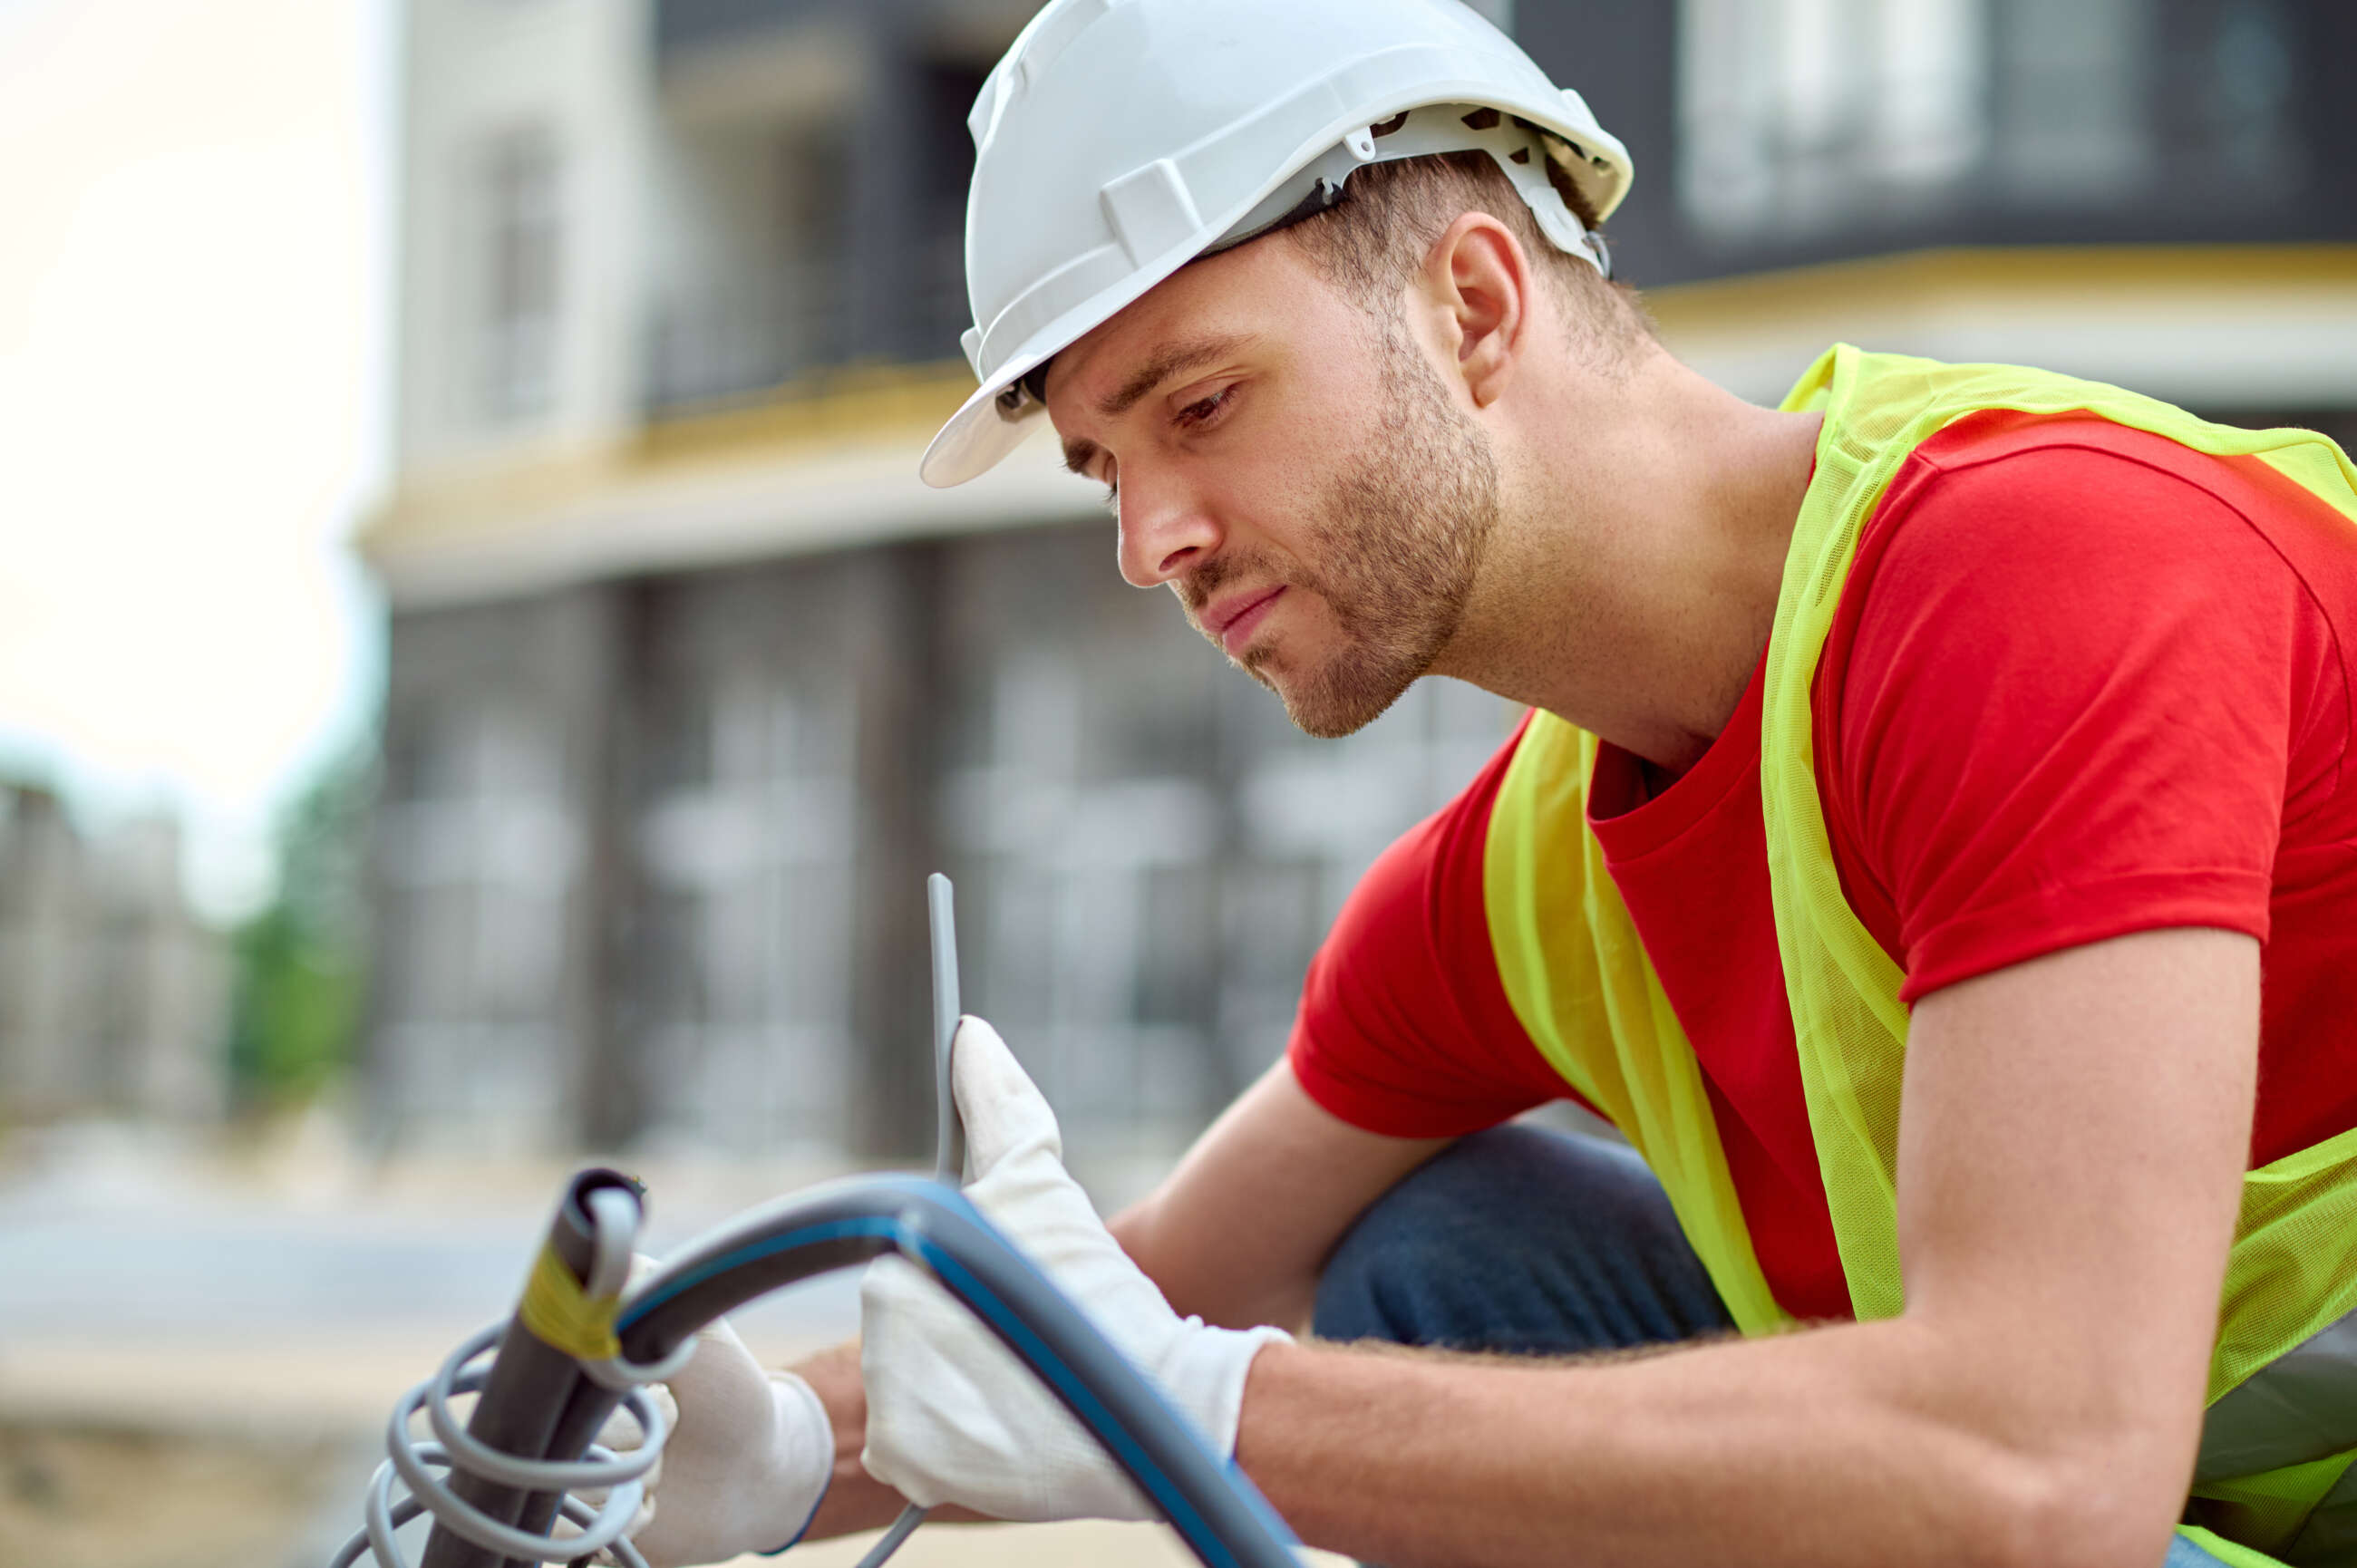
1371, 244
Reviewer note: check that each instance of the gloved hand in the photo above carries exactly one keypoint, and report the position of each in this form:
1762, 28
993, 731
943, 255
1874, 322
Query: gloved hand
952, 1415
749, 1456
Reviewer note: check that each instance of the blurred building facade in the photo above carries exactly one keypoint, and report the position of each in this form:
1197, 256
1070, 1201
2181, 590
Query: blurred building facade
691, 681
111, 993
2160, 193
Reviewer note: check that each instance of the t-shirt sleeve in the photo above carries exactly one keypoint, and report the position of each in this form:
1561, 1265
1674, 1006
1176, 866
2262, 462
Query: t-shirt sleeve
1404, 1027
2064, 710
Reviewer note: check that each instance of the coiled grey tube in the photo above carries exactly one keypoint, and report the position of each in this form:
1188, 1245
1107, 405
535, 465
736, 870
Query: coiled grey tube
534, 1403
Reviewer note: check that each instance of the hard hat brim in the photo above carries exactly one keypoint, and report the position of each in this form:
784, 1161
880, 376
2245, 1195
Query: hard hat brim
976, 440
977, 436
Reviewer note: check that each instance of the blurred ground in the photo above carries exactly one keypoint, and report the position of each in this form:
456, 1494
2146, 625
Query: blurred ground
89, 1499
197, 1346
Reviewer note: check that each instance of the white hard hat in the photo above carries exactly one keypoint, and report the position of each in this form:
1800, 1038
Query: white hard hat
1121, 139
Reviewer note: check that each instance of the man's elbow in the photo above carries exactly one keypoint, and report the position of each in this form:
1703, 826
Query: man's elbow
2100, 1504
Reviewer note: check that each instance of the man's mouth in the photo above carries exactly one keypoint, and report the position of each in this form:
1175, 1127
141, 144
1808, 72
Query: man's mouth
1233, 621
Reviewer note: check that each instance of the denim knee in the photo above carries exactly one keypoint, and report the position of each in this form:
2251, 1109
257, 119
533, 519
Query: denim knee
1520, 1239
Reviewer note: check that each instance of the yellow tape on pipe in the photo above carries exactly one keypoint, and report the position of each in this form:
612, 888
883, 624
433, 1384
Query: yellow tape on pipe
561, 1316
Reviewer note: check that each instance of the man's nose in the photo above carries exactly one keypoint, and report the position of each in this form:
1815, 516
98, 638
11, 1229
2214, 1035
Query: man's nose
1166, 531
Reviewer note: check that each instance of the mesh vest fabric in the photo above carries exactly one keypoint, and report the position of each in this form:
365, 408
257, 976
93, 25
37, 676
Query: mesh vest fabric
1575, 971
1577, 975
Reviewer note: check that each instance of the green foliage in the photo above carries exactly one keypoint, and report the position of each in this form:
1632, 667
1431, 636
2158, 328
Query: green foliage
301, 963
297, 1010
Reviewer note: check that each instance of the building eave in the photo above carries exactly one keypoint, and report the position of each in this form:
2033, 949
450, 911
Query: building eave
2218, 328
789, 476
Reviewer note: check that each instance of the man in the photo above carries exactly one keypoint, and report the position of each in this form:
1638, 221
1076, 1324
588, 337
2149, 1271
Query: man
1922, 779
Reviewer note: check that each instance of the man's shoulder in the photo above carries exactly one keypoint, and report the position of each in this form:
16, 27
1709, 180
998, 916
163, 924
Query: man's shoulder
2068, 453
2000, 495
1997, 433
2078, 458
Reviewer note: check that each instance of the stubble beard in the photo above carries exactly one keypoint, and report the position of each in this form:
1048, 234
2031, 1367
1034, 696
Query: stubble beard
1398, 541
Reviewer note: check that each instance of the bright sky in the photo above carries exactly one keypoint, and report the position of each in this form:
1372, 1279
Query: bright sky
193, 366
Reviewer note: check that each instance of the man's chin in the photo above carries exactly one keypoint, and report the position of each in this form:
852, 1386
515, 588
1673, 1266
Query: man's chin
1328, 704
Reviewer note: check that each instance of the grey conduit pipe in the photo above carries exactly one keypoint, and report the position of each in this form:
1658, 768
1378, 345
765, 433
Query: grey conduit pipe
949, 1151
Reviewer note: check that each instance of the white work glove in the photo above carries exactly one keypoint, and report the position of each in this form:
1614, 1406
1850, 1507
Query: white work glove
952, 1415
749, 1456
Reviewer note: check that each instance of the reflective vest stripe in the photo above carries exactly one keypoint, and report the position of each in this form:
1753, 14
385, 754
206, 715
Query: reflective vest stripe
1577, 977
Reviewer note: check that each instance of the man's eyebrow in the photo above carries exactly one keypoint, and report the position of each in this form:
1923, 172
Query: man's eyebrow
1170, 360
1079, 453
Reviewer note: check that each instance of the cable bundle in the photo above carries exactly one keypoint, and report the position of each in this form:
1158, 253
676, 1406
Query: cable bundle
411, 1460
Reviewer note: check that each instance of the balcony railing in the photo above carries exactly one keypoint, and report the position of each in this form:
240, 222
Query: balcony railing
727, 345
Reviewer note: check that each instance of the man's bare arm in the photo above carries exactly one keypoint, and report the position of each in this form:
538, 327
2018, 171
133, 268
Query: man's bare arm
1241, 1230
2073, 1134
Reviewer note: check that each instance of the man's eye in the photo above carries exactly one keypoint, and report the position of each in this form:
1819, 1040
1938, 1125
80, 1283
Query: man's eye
1203, 410
1112, 499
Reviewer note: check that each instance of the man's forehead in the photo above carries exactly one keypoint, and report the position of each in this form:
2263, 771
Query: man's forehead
1203, 300
1104, 354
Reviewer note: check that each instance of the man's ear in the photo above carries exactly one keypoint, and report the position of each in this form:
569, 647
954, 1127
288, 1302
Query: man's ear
1478, 278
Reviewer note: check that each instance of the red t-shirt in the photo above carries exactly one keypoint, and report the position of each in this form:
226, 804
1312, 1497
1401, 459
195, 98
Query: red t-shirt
2082, 682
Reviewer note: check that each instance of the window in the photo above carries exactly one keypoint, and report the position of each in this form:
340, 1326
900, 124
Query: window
523, 230
2251, 72
1796, 115
2070, 109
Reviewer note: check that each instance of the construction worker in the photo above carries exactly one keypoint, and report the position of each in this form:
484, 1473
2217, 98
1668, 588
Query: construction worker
1931, 846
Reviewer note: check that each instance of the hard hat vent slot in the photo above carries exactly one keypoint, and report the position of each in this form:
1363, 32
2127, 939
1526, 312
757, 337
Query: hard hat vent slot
1151, 211
985, 114
1051, 32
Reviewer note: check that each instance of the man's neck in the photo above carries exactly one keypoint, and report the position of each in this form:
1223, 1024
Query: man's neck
1632, 578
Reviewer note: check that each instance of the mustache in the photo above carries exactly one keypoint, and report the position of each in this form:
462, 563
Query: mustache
1202, 585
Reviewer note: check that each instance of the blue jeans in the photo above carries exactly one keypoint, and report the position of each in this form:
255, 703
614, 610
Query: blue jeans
1524, 1240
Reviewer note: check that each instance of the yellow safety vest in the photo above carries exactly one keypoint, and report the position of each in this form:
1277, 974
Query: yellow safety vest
2274, 1483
